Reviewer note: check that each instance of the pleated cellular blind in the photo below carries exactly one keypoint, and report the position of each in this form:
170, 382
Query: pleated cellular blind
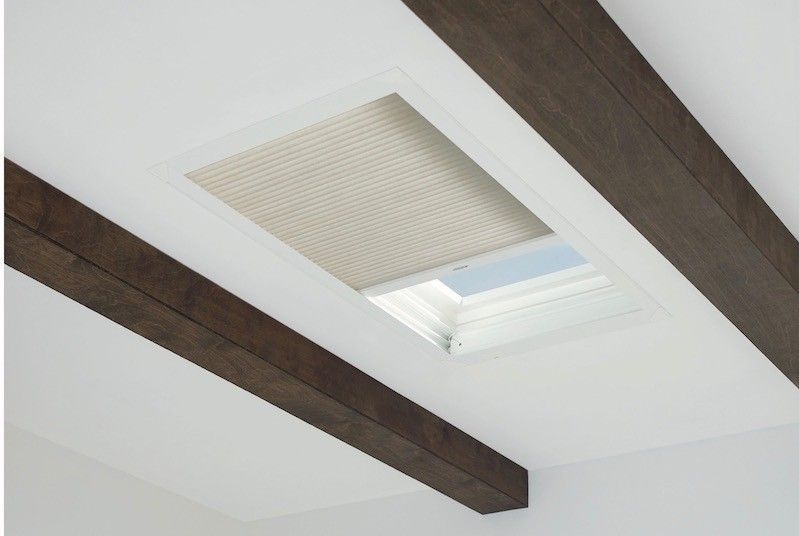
372, 195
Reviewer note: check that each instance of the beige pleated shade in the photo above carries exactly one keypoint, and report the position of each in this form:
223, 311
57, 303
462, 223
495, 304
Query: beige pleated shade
372, 195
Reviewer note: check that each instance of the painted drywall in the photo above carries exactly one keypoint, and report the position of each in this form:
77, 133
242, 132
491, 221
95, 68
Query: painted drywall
743, 485
53, 491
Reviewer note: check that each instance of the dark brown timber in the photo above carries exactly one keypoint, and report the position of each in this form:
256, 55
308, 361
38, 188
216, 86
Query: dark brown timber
72, 249
570, 72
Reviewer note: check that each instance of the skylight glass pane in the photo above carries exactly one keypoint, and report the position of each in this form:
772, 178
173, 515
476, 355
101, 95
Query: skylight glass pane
543, 261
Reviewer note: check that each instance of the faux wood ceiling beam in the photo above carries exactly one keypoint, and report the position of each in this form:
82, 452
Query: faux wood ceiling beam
569, 71
72, 249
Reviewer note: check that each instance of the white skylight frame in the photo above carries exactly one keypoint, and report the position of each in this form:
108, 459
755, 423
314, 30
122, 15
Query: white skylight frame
460, 325
174, 172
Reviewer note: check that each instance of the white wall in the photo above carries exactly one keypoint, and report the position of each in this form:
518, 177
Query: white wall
746, 484
53, 491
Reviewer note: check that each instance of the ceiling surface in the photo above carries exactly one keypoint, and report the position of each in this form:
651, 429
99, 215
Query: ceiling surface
99, 92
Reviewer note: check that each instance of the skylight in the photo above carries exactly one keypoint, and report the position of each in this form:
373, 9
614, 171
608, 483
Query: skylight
516, 297
540, 262
378, 189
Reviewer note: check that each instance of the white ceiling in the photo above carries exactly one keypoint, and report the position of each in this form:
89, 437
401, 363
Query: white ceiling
97, 92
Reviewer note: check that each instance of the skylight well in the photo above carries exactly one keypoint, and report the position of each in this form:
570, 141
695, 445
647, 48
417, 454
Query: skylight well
521, 295
382, 200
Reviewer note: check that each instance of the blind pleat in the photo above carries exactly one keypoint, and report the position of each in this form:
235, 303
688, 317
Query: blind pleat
372, 195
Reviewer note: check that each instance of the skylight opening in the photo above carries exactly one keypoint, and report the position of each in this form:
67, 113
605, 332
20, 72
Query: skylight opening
377, 188
480, 305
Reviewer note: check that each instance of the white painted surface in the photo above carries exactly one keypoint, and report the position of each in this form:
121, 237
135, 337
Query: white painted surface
90, 106
744, 485
51, 491
735, 65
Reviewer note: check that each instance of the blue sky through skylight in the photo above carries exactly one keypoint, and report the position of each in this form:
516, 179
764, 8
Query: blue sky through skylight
514, 270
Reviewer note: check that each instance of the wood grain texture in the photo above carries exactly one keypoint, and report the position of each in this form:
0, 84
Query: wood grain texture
631, 75
72, 249
570, 73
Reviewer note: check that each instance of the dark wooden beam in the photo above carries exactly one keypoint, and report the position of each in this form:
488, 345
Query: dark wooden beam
569, 71
72, 249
